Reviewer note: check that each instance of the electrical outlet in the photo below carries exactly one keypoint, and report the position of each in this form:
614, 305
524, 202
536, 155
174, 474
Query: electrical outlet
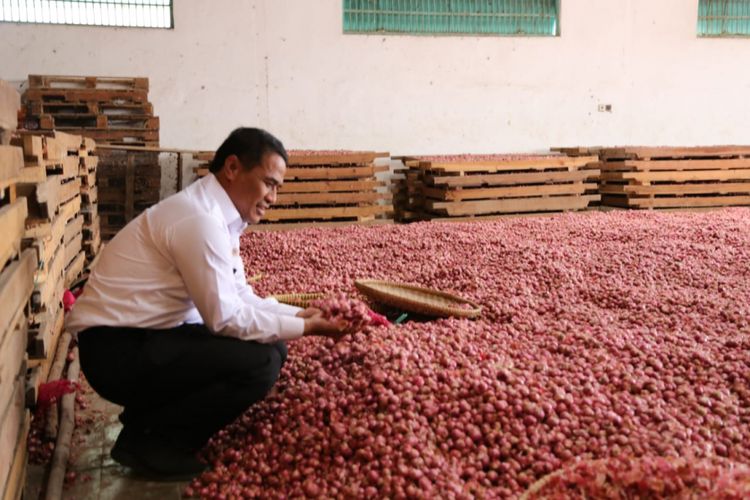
605, 108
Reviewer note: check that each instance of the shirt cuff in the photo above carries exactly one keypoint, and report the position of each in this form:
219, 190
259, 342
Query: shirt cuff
291, 327
286, 309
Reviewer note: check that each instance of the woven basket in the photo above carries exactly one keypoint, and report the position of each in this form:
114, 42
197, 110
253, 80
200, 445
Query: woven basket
418, 299
298, 299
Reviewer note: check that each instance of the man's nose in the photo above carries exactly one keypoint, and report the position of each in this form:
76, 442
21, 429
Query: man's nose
271, 196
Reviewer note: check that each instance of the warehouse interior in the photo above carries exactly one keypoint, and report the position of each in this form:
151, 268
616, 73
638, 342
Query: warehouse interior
491, 249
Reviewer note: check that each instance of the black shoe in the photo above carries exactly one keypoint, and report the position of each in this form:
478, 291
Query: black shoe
154, 457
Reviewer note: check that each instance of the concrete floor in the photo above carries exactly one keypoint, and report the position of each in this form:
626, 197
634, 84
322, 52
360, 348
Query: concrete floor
97, 475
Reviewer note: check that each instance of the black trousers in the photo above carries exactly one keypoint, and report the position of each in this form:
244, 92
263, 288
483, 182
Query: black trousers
184, 383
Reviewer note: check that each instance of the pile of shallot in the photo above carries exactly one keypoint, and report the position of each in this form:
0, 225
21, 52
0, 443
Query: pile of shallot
623, 334
352, 314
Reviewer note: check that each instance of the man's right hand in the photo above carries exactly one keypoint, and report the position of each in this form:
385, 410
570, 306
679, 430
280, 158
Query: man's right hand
316, 325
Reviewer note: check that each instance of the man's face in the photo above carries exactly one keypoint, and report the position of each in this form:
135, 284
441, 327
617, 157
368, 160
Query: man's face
253, 190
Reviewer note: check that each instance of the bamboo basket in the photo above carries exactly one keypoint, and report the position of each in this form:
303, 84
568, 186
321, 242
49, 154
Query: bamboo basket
418, 299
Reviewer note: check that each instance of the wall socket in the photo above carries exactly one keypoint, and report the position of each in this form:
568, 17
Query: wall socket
604, 108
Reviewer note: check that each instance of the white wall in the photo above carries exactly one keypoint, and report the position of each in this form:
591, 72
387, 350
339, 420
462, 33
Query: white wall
285, 65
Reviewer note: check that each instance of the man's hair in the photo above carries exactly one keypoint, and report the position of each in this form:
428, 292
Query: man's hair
250, 145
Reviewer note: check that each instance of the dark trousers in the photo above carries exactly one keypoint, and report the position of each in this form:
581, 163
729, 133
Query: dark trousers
184, 383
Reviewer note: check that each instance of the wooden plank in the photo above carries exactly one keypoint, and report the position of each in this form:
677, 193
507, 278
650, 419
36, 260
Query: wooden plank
10, 103
703, 201
556, 203
329, 198
694, 175
13, 431
541, 163
86, 95
508, 192
75, 268
322, 173
679, 165
88, 163
339, 158
11, 163
330, 186
511, 179
69, 166
16, 283
37, 228
89, 195
32, 174
43, 333
274, 214
12, 226
88, 179
70, 189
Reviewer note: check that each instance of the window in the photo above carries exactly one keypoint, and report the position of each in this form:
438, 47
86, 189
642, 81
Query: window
452, 17
719, 18
127, 13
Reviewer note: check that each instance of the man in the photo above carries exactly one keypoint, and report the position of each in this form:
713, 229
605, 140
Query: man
167, 324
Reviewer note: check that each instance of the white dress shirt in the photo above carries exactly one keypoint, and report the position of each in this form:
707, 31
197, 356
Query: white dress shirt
179, 262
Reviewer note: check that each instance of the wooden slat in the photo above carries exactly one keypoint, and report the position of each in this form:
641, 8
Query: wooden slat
75, 268
73, 248
703, 201
73, 228
14, 486
678, 165
329, 198
514, 205
69, 142
12, 355
680, 189
342, 158
16, 283
694, 175
47, 292
88, 164
674, 152
541, 163
12, 226
511, 179
274, 214
330, 186
508, 192
332, 172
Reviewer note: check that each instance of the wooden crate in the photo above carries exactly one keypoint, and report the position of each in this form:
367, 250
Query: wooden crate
647, 178
479, 185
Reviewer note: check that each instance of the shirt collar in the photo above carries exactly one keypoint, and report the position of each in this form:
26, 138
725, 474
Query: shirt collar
231, 216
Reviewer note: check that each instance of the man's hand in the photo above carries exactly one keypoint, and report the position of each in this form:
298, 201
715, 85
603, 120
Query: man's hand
316, 325
310, 312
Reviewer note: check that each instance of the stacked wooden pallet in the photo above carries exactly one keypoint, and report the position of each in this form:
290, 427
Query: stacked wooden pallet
675, 177
129, 182
51, 181
108, 110
328, 186
489, 185
17, 268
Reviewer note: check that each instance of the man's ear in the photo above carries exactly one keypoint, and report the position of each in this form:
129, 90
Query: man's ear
232, 167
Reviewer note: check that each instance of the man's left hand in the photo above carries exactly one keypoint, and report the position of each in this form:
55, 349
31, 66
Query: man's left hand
310, 312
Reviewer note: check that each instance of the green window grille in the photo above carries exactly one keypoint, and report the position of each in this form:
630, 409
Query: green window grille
125, 13
719, 18
452, 17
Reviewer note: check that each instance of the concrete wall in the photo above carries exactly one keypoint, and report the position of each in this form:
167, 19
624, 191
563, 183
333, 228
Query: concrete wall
285, 65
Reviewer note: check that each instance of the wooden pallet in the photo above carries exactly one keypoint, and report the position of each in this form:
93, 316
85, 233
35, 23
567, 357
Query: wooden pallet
10, 103
56, 108
87, 82
513, 205
331, 158
109, 96
675, 177
100, 123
